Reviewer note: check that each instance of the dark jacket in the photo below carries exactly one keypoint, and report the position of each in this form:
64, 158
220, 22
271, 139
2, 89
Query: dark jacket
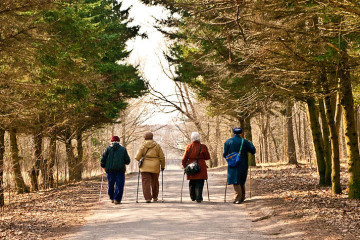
238, 174
114, 158
192, 151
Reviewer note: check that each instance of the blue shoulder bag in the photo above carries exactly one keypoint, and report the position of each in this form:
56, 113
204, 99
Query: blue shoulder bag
233, 158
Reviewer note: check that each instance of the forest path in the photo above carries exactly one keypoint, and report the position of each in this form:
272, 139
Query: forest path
174, 220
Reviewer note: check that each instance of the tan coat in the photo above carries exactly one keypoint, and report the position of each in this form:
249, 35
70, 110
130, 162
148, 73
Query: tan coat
154, 158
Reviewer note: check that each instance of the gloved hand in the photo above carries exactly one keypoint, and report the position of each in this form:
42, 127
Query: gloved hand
162, 169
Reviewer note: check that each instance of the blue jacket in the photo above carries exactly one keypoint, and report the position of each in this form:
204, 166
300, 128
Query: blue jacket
238, 174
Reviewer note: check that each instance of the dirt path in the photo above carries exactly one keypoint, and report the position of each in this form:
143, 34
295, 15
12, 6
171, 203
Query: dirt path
175, 220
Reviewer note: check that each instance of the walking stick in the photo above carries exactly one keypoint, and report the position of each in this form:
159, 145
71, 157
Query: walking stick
137, 191
250, 182
182, 185
102, 180
162, 186
207, 186
225, 189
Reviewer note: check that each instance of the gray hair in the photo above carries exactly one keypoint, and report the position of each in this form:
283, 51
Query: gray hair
195, 136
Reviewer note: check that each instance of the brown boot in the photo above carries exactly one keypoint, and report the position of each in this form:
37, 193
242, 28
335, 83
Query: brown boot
243, 193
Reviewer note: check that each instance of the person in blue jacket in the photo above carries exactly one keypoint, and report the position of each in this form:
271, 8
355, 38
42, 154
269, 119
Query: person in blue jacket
237, 175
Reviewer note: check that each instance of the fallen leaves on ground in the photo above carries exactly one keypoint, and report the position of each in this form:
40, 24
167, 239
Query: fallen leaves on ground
48, 213
298, 195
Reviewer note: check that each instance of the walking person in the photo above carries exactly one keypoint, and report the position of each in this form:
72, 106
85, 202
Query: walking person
237, 175
153, 161
113, 161
193, 152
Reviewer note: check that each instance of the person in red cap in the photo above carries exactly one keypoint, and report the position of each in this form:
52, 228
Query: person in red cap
113, 160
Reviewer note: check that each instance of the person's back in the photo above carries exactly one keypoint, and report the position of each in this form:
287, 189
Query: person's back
153, 161
237, 175
234, 144
113, 161
116, 158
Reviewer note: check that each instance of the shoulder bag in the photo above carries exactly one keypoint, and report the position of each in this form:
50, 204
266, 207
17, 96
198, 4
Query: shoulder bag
234, 158
142, 158
193, 167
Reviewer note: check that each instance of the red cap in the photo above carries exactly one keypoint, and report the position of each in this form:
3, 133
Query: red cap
115, 139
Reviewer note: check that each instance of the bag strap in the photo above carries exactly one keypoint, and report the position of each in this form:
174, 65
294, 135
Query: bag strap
241, 146
143, 157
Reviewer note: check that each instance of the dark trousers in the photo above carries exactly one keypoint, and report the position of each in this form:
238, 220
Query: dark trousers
196, 189
116, 191
150, 185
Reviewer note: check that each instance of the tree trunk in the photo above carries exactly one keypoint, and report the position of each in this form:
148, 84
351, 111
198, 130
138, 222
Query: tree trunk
313, 115
20, 184
217, 138
290, 133
335, 157
35, 171
248, 136
80, 156
70, 158
51, 163
297, 121
2, 151
327, 144
350, 131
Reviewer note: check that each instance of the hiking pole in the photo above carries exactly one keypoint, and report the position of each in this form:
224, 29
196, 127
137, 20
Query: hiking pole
250, 182
207, 186
137, 191
226, 186
162, 186
182, 185
102, 180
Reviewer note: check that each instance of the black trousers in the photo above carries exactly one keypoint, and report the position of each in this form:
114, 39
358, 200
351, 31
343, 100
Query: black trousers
196, 189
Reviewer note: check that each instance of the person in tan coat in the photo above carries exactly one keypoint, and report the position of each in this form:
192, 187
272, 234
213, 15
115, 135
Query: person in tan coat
153, 162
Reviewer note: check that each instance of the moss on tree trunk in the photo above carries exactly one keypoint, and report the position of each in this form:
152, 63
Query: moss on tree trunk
327, 143
350, 131
313, 115
335, 153
2, 151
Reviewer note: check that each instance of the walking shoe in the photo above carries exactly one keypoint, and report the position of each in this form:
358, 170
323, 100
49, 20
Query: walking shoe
198, 201
155, 199
117, 202
148, 201
236, 202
